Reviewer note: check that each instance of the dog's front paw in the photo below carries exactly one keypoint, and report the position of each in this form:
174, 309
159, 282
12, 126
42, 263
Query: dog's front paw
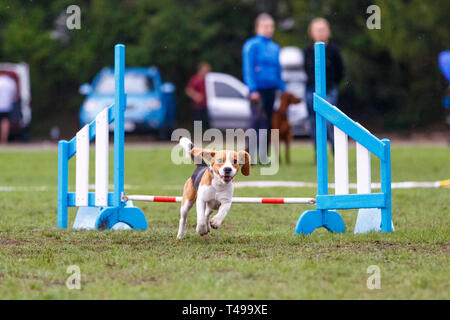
214, 223
202, 229
181, 235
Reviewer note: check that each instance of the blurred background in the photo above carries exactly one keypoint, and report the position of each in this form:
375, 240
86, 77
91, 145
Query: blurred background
392, 80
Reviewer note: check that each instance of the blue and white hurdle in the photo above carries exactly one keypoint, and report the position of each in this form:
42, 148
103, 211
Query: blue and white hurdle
107, 210
100, 209
374, 208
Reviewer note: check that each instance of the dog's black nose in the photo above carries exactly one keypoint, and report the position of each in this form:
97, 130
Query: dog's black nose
227, 170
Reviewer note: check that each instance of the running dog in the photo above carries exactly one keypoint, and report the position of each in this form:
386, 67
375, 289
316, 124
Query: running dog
211, 186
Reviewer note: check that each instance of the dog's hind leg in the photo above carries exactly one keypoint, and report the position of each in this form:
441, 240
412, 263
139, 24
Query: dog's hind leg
184, 210
189, 196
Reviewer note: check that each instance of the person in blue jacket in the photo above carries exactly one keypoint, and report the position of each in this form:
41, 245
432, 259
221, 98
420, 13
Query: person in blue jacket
261, 71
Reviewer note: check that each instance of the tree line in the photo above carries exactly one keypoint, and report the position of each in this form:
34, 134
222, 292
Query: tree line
392, 79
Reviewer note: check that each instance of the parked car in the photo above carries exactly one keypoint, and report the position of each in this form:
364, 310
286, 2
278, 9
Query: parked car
227, 101
21, 113
150, 103
294, 76
227, 96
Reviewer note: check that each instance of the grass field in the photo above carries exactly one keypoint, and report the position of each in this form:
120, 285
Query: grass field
255, 254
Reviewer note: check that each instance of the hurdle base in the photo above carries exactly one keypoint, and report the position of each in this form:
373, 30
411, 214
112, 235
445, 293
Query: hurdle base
369, 220
115, 218
312, 219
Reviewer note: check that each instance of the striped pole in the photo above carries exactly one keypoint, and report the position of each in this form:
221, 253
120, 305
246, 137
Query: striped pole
235, 199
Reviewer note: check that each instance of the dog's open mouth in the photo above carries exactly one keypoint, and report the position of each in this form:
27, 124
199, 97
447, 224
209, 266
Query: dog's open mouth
226, 178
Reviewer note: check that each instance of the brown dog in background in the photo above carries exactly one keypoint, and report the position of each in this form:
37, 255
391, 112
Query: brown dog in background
280, 121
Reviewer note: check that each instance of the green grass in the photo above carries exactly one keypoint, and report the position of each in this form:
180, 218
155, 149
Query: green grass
255, 254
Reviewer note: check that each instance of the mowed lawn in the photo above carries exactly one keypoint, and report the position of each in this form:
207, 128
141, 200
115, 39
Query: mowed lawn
254, 255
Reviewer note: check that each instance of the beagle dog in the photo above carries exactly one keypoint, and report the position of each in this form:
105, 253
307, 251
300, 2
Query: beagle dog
210, 187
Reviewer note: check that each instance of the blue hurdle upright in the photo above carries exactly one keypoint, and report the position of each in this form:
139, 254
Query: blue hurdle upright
100, 209
375, 208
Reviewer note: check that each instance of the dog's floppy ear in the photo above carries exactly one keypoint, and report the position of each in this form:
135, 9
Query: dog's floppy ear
244, 158
296, 99
286, 98
291, 98
206, 154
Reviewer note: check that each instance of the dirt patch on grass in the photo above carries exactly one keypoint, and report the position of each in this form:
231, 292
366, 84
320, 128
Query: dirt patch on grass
119, 275
153, 281
379, 245
14, 242
224, 270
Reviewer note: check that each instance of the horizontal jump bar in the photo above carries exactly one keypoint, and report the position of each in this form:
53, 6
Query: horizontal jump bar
71, 201
235, 199
351, 201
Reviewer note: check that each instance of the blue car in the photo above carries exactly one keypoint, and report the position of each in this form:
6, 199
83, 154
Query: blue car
150, 103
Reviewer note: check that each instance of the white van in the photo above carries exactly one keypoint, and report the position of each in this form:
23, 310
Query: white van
227, 97
21, 114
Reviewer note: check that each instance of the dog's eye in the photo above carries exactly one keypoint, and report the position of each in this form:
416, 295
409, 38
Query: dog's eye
235, 161
219, 161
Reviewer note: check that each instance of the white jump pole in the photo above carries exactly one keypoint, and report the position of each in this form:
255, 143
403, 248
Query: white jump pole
363, 174
101, 159
82, 167
340, 161
368, 219
235, 199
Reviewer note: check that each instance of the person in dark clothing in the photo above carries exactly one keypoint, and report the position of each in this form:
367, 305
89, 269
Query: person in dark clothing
319, 30
196, 90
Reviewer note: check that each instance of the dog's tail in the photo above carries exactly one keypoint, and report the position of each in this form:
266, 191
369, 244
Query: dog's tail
187, 146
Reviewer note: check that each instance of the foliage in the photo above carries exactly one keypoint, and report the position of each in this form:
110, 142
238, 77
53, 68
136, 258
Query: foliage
392, 76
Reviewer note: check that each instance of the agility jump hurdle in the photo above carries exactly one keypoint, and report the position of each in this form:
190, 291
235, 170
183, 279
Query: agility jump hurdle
103, 209
371, 205
106, 207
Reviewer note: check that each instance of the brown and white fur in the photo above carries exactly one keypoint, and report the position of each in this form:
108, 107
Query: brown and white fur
211, 186
280, 121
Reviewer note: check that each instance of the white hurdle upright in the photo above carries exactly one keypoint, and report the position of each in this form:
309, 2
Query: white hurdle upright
101, 159
86, 217
82, 167
369, 219
363, 173
340, 161
101, 162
